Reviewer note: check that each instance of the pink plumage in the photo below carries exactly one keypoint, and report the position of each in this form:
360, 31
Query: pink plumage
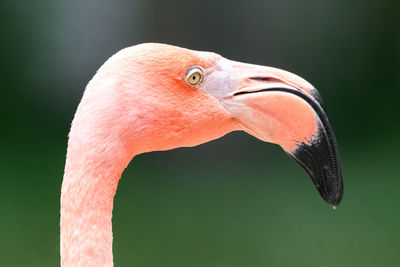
142, 100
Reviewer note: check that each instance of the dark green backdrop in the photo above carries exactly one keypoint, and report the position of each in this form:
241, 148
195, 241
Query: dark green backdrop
232, 202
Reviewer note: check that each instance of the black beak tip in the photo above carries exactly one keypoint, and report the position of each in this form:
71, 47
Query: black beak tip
321, 161
320, 157
334, 196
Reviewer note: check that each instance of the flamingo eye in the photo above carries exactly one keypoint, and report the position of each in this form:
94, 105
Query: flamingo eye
194, 75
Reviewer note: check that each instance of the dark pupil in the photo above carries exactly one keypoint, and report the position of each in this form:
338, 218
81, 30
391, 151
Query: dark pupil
194, 77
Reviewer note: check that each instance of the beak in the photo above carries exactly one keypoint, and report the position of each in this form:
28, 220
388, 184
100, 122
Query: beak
280, 107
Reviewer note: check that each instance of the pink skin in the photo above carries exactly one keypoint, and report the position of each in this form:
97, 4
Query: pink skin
139, 102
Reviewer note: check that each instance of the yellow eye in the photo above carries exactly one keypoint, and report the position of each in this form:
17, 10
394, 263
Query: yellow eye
194, 75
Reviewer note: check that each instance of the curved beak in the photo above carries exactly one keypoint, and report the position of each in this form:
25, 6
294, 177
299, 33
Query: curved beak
280, 107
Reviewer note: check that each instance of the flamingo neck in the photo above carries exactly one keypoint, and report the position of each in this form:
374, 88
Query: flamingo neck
124, 112
90, 181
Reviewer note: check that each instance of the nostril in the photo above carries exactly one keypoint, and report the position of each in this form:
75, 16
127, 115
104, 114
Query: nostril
265, 79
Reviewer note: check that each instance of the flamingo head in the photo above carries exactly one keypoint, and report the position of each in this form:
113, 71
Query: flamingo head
178, 97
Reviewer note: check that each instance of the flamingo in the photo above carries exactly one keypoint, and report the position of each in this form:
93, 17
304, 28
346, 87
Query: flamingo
153, 97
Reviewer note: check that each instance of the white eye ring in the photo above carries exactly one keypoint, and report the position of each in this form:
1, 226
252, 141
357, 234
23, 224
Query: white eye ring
194, 75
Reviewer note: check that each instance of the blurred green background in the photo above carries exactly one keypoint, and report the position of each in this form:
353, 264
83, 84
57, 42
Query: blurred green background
235, 201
